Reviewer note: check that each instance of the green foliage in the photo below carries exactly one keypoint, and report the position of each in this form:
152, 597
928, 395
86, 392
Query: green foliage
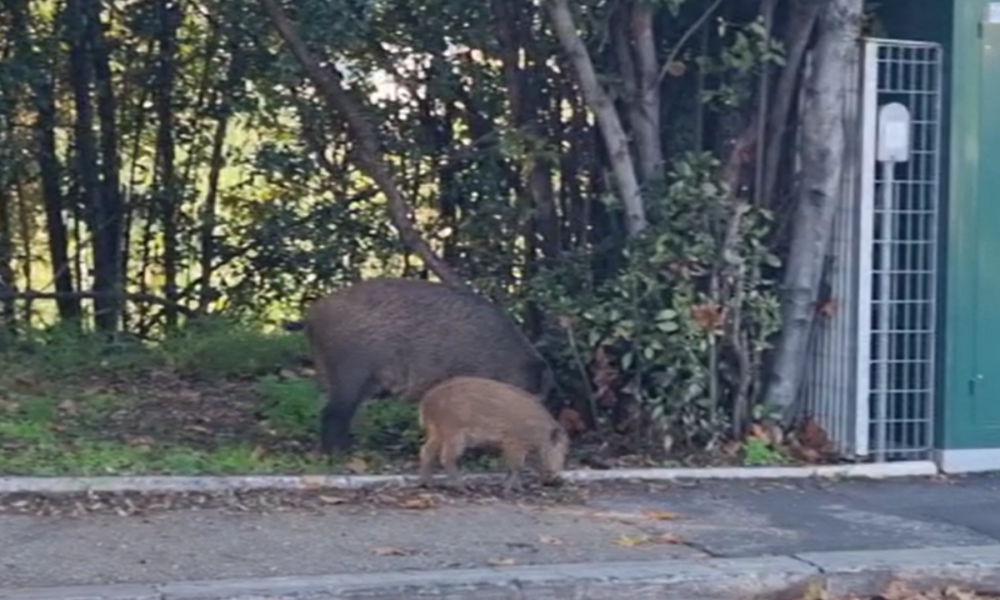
222, 348
690, 294
759, 453
65, 351
290, 405
388, 426
486, 135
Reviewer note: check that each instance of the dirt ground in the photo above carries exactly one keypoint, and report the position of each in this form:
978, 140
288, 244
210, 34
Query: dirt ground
156, 421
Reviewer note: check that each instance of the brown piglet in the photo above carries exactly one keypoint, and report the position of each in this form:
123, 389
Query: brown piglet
474, 412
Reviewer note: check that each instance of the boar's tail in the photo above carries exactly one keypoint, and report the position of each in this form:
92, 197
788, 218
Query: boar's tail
293, 325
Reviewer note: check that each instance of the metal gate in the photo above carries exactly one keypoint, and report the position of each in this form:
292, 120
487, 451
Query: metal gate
870, 380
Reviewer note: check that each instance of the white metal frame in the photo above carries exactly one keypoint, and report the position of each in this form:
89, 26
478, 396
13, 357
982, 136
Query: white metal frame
839, 386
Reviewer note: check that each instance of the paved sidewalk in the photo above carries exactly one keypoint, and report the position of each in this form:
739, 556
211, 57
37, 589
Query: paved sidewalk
620, 524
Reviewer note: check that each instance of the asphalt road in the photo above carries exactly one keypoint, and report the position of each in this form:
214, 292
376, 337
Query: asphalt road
626, 522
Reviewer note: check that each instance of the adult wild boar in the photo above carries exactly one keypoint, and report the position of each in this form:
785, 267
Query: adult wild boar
401, 336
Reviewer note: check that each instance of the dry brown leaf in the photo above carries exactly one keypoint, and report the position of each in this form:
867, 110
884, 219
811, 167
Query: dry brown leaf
676, 68
812, 435
708, 316
357, 465
814, 591
897, 590
552, 541
660, 515
139, 441
572, 421
634, 540
604, 376
500, 562
827, 310
759, 432
420, 502
732, 448
70, 407
390, 551
807, 455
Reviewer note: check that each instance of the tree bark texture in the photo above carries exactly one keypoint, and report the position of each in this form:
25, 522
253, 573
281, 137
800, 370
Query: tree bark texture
819, 194
601, 105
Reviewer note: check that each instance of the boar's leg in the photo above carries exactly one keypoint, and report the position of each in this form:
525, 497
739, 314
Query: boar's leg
451, 451
346, 387
428, 454
513, 460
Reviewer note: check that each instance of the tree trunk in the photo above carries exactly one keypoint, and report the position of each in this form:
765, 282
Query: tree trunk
8, 315
9, 173
168, 20
50, 171
604, 111
207, 257
822, 152
81, 50
800, 26
108, 245
328, 83
646, 103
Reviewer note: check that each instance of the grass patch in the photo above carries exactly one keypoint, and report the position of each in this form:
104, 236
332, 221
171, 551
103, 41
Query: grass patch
389, 426
217, 398
291, 406
219, 348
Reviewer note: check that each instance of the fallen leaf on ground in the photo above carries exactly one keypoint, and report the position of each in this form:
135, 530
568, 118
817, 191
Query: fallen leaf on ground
69, 407
390, 551
198, 429
416, 502
633, 540
814, 591
639, 540
572, 421
660, 515
553, 541
357, 465
500, 562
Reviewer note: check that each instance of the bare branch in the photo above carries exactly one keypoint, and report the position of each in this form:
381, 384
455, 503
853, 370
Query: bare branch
684, 39
607, 117
31, 295
329, 84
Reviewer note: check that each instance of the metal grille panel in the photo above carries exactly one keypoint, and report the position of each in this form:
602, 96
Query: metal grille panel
870, 381
904, 257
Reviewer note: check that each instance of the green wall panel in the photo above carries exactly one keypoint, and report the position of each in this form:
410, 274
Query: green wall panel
970, 404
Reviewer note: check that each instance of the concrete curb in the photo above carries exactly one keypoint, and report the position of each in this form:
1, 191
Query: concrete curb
297, 482
862, 573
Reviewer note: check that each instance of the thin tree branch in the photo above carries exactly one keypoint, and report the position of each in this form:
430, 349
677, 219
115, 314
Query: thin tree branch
329, 84
684, 39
